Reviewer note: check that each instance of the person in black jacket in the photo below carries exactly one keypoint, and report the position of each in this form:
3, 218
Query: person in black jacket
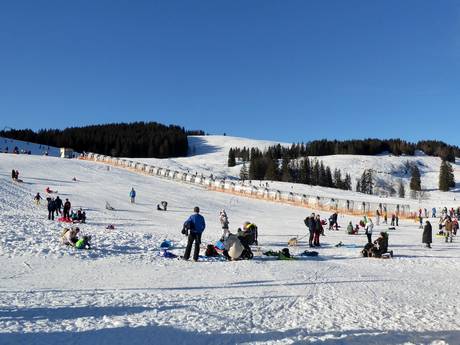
67, 207
310, 223
427, 236
58, 203
318, 231
51, 208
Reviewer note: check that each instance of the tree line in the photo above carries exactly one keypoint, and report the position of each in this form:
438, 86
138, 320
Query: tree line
356, 147
265, 166
137, 139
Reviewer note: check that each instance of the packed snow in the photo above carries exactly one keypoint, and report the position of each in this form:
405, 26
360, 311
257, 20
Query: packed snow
121, 291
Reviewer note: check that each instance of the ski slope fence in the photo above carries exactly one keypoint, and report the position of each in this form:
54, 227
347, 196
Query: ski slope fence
346, 206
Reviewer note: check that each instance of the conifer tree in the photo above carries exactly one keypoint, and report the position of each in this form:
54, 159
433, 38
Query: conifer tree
446, 176
401, 190
415, 182
244, 174
231, 158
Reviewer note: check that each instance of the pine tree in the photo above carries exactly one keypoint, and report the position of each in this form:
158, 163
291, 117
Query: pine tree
285, 171
271, 173
338, 183
347, 182
415, 182
446, 176
358, 186
231, 158
244, 174
401, 190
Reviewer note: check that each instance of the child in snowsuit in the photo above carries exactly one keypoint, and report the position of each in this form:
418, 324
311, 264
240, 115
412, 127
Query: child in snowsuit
132, 195
37, 198
224, 223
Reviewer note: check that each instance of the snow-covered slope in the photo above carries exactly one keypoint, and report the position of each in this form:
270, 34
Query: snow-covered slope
8, 145
209, 155
121, 292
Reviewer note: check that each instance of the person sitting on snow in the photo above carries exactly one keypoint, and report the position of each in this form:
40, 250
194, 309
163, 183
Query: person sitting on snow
83, 243
350, 230
380, 245
81, 216
248, 235
69, 236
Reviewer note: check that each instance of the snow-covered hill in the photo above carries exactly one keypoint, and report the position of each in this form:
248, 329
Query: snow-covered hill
209, 155
8, 145
122, 292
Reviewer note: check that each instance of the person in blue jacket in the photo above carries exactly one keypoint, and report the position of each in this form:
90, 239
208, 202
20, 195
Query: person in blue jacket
196, 225
132, 195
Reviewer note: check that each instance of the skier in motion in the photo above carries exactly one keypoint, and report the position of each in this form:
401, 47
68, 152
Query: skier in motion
132, 195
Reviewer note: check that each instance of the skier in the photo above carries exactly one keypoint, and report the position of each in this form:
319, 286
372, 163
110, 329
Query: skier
51, 208
37, 198
67, 206
369, 227
224, 223
196, 225
427, 234
13, 174
433, 212
132, 195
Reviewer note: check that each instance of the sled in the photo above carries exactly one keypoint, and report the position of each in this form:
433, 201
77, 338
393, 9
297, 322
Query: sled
109, 207
166, 244
64, 220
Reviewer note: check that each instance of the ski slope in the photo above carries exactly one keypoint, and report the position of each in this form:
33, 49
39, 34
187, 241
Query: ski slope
35, 149
122, 292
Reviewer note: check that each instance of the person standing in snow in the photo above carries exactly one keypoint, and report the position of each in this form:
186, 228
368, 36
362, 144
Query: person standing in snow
224, 223
369, 227
37, 198
318, 231
377, 216
67, 207
196, 225
51, 208
132, 195
58, 202
427, 236
310, 223
448, 226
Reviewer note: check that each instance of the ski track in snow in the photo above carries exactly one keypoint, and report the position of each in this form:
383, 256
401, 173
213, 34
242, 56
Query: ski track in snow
123, 292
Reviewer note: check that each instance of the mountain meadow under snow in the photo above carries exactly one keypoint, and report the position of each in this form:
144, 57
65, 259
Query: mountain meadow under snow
122, 291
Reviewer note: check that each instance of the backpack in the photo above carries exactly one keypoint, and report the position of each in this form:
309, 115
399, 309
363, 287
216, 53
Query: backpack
211, 251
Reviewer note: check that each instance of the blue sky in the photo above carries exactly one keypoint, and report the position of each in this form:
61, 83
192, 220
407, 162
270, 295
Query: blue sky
282, 70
